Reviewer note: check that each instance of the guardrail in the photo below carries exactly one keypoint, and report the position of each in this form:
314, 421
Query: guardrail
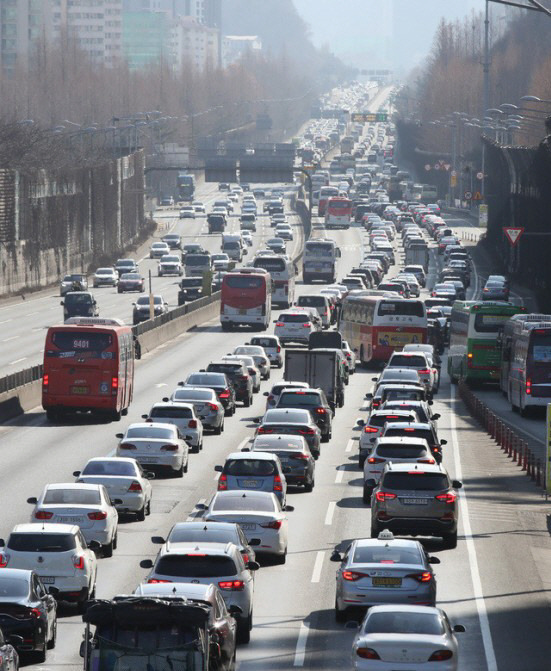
20, 377
505, 436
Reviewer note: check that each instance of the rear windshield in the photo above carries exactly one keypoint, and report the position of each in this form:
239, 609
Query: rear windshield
109, 468
490, 323
296, 416
398, 622
400, 451
298, 399
269, 263
407, 375
250, 467
381, 420
131, 276
264, 342
201, 378
13, 587
184, 566
410, 432
386, 555
399, 361
197, 259
416, 480
294, 319
229, 368
193, 395
192, 282
76, 496
312, 301
71, 342
172, 413
150, 432
43, 542
243, 282
249, 503
407, 308
78, 298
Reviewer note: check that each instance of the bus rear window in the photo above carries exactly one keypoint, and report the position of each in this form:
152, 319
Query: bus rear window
270, 263
403, 308
541, 348
71, 343
319, 249
243, 282
490, 323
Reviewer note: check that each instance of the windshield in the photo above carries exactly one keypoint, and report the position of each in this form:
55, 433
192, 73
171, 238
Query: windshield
416, 480
109, 468
399, 361
195, 566
41, 542
295, 416
270, 263
247, 502
130, 276
259, 467
197, 260
144, 300
319, 249
76, 496
181, 534
228, 368
490, 323
406, 308
298, 399
104, 271
401, 451
404, 623
78, 298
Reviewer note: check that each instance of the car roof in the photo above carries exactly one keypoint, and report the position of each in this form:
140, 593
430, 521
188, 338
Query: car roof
40, 528
171, 404
405, 467
382, 411
399, 542
207, 548
413, 425
118, 460
180, 589
392, 440
148, 425
261, 456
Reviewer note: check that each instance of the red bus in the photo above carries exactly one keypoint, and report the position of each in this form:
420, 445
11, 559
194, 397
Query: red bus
338, 212
375, 326
326, 192
246, 299
88, 367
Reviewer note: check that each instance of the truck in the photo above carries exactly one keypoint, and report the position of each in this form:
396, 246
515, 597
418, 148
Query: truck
136, 633
417, 254
186, 186
320, 261
320, 368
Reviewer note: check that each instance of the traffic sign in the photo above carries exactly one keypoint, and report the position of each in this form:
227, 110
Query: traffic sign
454, 173
427, 167
513, 234
467, 195
480, 175
437, 166
447, 166
367, 117
477, 196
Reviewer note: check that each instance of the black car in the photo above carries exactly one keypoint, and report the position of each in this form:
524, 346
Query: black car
141, 312
239, 377
131, 282
297, 461
28, 613
126, 266
219, 383
216, 222
191, 288
313, 400
79, 304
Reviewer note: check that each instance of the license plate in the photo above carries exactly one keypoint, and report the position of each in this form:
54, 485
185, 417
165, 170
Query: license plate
47, 579
79, 390
250, 483
71, 520
248, 526
415, 502
387, 582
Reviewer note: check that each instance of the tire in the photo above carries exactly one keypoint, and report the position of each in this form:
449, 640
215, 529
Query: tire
366, 495
309, 486
281, 559
108, 549
185, 466
244, 627
40, 655
450, 540
361, 463
116, 416
196, 449
81, 604
53, 639
140, 515
218, 430
340, 615
326, 437
52, 415
180, 472
148, 508
247, 402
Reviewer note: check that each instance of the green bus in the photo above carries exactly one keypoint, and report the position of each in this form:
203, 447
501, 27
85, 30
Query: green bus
474, 354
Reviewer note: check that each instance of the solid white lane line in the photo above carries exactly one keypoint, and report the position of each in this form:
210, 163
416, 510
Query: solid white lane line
349, 445
300, 651
330, 512
12, 363
318, 565
491, 662
340, 474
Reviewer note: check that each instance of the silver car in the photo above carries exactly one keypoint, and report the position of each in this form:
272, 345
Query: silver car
261, 472
294, 421
383, 570
272, 397
207, 406
272, 348
181, 415
260, 358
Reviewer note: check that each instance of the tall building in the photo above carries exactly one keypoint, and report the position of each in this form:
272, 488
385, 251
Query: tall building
193, 43
145, 38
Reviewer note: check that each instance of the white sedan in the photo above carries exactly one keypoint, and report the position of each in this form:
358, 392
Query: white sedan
106, 277
406, 637
88, 506
259, 514
158, 249
155, 445
124, 479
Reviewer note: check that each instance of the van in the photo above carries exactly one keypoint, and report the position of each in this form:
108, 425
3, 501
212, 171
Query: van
233, 246
196, 264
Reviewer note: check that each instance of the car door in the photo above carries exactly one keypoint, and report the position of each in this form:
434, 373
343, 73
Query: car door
226, 628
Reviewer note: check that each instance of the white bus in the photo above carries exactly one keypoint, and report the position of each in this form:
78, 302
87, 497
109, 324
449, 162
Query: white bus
282, 272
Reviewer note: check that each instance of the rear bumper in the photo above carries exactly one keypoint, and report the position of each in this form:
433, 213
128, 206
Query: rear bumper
32, 631
418, 525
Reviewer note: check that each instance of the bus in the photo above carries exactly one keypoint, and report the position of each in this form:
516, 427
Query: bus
325, 193
338, 213
246, 299
88, 367
529, 354
319, 261
186, 186
282, 272
375, 326
425, 193
475, 326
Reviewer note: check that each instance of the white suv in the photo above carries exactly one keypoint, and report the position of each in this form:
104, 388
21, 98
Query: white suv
58, 554
183, 416
294, 326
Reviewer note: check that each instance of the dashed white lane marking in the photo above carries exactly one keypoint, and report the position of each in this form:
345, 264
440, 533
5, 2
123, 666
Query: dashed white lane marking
330, 513
318, 565
12, 363
349, 445
300, 651
194, 515
340, 474
11, 338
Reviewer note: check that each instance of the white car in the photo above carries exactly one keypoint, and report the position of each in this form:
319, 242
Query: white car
418, 361
155, 445
59, 554
406, 636
181, 415
206, 403
158, 249
88, 506
350, 356
259, 514
187, 212
170, 264
247, 238
125, 481
106, 277
199, 207
260, 358
220, 262
271, 346
294, 326
284, 231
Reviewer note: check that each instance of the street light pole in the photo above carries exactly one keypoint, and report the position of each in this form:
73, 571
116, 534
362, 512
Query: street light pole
486, 91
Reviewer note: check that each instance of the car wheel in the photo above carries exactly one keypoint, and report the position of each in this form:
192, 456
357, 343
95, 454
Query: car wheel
281, 559
52, 415
52, 641
40, 655
309, 486
140, 515
450, 540
244, 627
148, 508
196, 448
247, 402
218, 429
186, 466
361, 462
340, 615
367, 491
375, 529
326, 437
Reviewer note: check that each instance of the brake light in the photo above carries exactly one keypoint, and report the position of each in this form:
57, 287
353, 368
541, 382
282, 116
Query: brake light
4, 559
135, 487
426, 576
263, 429
245, 557
43, 515
409, 429
192, 424
127, 446
222, 482
280, 324
278, 349
244, 378
169, 448
46, 380
367, 653
321, 411
212, 406
383, 496
528, 386
370, 429
425, 461
225, 393
352, 576
153, 581
300, 456
307, 432
376, 404
306, 325
277, 484
99, 515
34, 612
114, 383
78, 562
275, 524
440, 655
485, 290
232, 584
424, 371
448, 497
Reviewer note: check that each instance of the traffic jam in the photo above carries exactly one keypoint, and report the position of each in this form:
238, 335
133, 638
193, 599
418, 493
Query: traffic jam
309, 319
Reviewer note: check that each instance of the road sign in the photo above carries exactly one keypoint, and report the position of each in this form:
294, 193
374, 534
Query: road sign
428, 167
513, 234
467, 195
483, 216
369, 117
477, 196
480, 175
447, 166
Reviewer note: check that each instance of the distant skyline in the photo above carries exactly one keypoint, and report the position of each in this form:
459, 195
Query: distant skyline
381, 33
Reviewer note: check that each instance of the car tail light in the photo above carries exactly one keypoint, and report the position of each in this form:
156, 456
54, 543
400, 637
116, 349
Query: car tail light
78, 562
43, 515
307, 432
245, 557
425, 576
153, 581
99, 515
440, 655
212, 406
127, 446
222, 482
375, 460
528, 386
485, 290
34, 612
383, 496
169, 448
135, 487
225, 393
302, 456
277, 484
376, 404
367, 653
280, 324
275, 524
448, 497
278, 349
424, 371
306, 325
321, 411
263, 429
425, 461
192, 424
232, 584
370, 429
4, 559
352, 576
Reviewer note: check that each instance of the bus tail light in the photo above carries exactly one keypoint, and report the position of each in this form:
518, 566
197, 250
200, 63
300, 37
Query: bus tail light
45, 382
470, 360
222, 482
114, 384
192, 424
43, 515
528, 386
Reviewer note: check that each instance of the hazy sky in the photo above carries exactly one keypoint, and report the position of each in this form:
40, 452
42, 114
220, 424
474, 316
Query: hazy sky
368, 33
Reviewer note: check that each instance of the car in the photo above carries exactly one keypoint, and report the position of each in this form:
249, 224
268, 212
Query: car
60, 556
419, 273
158, 249
271, 347
247, 238
418, 361
79, 304
126, 266
418, 632
167, 201
125, 481
446, 291
294, 326
372, 428
218, 382
422, 409
192, 248
383, 569
259, 514
223, 186
398, 450
73, 282
187, 212
190, 289
173, 240
259, 356
88, 505
28, 617
141, 312
394, 391
276, 245
284, 231
221, 623
155, 446
296, 421
260, 472
251, 367
313, 400
416, 429
495, 290
130, 282
220, 261
208, 408
238, 375
320, 303
182, 415
294, 454
398, 375
350, 356
459, 288
199, 207
416, 499
170, 264
209, 563
272, 397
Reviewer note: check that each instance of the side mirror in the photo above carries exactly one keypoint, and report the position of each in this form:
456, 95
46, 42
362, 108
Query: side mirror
76, 473
289, 509
253, 565
149, 475
457, 484
33, 500
158, 540
335, 556
360, 422
145, 416
200, 506
166, 399
434, 560
374, 379
459, 629
62, 302
369, 397
236, 610
436, 416
218, 468
443, 442
94, 545
180, 384
120, 436
245, 449
430, 402
255, 542
266, 393
146, 563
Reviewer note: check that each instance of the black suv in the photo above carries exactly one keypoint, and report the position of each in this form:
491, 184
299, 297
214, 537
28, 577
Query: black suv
316, 402
79, 304
191, 288
219, 383
239, 377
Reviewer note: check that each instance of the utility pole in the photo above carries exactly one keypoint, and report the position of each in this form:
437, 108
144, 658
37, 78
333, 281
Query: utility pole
486, 92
